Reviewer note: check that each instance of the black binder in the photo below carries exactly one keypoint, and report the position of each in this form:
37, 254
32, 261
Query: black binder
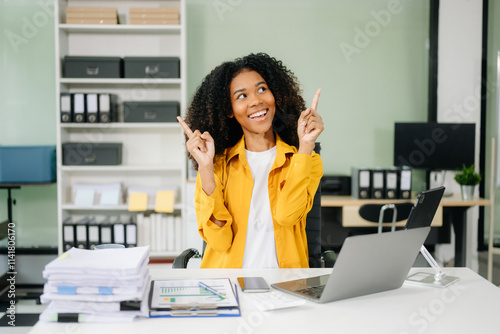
405, 183
66, 103
82, 232
361, 182
79, 108
118, 232
106, 232
69, 234
391, 183
92, 103
108, 108
377, 183
93, 233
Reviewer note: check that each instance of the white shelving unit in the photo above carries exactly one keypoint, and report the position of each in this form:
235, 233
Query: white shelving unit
153, 153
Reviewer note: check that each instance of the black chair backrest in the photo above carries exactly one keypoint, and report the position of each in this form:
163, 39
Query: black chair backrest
313, 231
313, 226
371, 212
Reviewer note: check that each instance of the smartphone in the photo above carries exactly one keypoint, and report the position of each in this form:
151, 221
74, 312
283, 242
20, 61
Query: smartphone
253, 284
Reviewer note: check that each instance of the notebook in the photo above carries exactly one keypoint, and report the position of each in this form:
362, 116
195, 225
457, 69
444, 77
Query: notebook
366, 264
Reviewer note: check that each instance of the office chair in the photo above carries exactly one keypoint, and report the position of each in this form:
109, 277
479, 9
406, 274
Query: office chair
380, 213
317, 259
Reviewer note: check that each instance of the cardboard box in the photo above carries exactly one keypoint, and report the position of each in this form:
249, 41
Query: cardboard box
153, 22
91, 21
91, 15
157, 10
76, 9
153, 16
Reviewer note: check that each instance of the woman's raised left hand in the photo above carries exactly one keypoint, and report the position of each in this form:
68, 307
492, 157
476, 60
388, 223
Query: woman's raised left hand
310, 126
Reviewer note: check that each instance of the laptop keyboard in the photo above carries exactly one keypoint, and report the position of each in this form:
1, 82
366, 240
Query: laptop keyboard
314, 291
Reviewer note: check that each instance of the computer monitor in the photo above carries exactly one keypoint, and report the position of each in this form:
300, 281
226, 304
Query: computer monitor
434, 146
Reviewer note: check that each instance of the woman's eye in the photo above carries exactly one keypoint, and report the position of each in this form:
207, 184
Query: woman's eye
262, 89
241, 96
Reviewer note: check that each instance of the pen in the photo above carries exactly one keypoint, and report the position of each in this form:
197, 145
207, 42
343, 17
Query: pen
212, 290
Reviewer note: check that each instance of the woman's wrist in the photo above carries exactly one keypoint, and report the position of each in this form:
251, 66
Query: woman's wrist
207, 178
306, 148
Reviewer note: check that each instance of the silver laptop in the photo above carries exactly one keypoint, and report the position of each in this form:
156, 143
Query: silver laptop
366, 264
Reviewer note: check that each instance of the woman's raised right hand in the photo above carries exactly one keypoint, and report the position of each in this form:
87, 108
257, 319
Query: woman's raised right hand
200, 145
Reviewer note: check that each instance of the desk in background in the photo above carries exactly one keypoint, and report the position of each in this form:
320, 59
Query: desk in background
451, 209
410, 309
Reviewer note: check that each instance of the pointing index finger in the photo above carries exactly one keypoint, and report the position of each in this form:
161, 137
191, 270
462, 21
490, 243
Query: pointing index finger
314, 103
185, 127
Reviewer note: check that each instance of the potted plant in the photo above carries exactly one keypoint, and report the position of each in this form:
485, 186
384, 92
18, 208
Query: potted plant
468, 179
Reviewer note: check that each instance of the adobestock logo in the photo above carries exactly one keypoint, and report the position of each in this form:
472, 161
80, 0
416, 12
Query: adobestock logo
224, 6
421, 319
30, 27
372, 29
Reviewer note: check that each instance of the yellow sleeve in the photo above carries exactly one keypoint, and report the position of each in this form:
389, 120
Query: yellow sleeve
296, 197
219, 238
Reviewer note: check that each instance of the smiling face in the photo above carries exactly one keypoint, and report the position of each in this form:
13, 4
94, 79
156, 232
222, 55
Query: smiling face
253, 104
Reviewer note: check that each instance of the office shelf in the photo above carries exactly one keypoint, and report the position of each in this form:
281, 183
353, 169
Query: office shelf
124, 207
120, 29
154, 154
121, 81
120, 125
122, 168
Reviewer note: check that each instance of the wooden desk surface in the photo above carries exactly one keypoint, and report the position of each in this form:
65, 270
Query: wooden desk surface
449, 201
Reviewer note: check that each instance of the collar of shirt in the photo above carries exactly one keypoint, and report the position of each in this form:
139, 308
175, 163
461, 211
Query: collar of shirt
282, 149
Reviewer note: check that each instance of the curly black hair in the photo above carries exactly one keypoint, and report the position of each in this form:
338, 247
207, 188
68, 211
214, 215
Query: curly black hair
211, 106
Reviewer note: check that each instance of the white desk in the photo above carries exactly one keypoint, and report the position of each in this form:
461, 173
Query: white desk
469, 306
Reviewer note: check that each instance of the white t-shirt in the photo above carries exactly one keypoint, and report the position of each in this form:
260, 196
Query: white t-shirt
260, 246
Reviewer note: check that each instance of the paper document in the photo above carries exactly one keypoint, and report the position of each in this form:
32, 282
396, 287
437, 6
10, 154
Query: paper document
138, 202
165, 201
113, 261
171, 294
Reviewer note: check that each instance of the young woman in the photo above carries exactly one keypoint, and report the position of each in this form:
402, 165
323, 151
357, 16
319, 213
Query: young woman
252, 145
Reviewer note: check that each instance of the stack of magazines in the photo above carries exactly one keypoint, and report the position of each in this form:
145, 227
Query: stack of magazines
105, 285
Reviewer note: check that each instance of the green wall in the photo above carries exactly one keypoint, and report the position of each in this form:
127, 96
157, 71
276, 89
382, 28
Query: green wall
362, 95
380, 78
27, 110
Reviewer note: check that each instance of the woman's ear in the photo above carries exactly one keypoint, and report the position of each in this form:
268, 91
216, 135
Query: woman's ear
231, 115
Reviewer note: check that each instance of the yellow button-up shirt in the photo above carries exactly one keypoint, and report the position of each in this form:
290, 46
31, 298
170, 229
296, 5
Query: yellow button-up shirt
293, 181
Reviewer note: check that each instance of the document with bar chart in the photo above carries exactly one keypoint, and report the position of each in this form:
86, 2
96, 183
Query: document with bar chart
188, 294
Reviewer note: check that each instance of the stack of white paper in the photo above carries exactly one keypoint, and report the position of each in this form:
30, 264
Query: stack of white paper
105, 285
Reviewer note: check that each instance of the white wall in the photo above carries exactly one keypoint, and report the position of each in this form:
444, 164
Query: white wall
459, 84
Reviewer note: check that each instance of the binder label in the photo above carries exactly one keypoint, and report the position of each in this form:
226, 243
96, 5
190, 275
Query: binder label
364, 179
